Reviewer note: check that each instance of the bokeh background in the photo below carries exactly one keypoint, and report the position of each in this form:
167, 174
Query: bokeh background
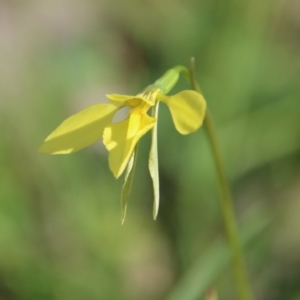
60, 231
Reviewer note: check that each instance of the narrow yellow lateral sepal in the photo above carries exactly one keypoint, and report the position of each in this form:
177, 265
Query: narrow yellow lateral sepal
128, 183
153, 163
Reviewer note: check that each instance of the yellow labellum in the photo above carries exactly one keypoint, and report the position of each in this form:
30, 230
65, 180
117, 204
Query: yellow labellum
121, 138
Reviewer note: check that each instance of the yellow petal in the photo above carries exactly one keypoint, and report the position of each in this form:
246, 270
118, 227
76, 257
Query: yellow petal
187, 110
120, 142
79, 130
148, 95
120, 100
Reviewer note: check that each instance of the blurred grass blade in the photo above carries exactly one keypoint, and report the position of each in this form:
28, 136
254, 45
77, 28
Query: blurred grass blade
153, 163
211, 264
128, 183
211, 294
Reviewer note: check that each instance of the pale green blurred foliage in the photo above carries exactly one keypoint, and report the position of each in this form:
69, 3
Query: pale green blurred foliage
60, 232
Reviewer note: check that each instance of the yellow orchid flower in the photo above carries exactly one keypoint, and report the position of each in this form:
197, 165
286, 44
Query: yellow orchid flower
120, 139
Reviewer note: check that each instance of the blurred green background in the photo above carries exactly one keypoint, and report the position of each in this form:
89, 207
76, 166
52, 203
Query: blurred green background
60, 231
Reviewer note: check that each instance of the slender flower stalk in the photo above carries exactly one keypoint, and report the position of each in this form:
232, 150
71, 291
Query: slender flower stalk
226, 203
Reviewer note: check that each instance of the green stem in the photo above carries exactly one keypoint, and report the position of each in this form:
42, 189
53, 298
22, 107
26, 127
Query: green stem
240, 272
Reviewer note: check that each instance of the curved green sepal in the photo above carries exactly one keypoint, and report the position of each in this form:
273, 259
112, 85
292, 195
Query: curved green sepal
166, 82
